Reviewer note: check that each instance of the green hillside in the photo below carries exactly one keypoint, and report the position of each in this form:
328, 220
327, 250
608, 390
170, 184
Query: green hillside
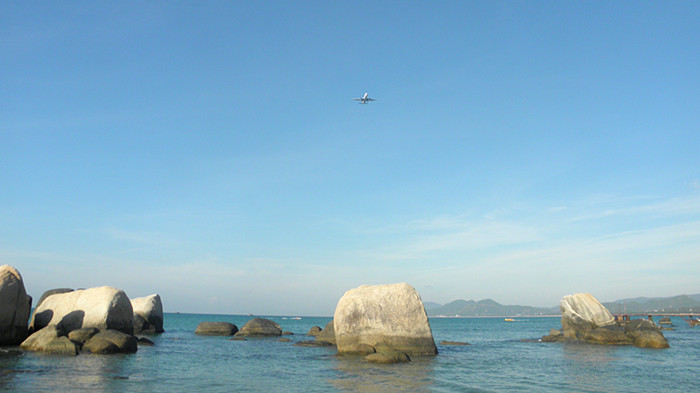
682, 304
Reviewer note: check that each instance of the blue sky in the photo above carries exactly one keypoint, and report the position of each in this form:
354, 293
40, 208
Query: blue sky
210, 151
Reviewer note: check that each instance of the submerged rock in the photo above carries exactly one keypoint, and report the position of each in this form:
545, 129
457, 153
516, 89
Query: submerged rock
15, 307
216, 329
312, 343
388, 357
388, 315
260, 327
454, 343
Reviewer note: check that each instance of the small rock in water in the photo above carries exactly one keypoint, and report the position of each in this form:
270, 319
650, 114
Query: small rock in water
453, 343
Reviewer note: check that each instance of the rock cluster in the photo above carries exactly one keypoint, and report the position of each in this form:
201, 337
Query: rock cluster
95, 320
584, 319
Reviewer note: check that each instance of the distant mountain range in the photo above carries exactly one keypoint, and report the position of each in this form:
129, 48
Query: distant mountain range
485, 308
684, 304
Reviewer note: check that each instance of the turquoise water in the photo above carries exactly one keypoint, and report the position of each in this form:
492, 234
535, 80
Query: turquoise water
503, 356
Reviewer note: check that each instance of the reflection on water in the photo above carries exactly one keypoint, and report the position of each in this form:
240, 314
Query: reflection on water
587, 366
356, 374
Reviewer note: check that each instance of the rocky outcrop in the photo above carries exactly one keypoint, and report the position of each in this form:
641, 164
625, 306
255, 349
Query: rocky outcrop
148, 314
584, 319
50, 340
216, 329
260, 327
390, 316
102, 308
15, 307
327, 335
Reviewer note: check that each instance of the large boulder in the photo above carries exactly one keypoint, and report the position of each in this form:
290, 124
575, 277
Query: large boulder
15, 307
260, 327
216, 329
584, 319
582, 312
102, 308
148, 314
52, 292
390, 316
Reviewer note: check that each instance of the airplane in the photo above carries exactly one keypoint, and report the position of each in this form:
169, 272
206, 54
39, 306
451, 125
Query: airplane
365, 99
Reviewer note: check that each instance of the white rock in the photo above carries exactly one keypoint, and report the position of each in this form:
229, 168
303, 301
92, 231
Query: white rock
102, 308
383, 316
150, 309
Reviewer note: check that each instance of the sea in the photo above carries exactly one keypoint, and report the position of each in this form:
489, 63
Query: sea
503, 356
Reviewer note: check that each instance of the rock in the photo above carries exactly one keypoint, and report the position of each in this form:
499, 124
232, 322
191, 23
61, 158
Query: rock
143, 341
111, 341
391, 315
554, 336
284, 340
80, 336
50, 340
314, 331
580, 313
454, 343
359, 350
216, 329
15, 307
312, 343
238, 339
260, 327
102, 308
388, 357
607, 335
287, 333
148, 314
585, 319
52, 292
645, 334
327, 334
